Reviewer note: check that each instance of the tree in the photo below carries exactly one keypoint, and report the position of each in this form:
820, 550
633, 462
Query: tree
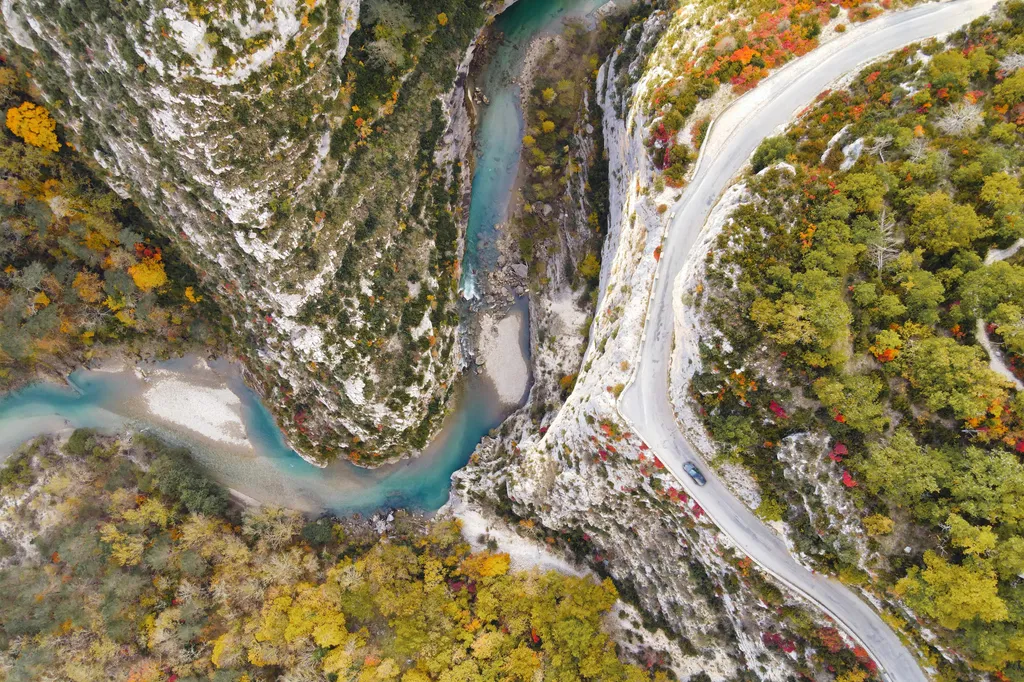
1009, 559
988, 485
88, 287
148, 274
963, 118
973, 540
982, 290
950, 68
904, 470
484, 565
955, 377
887, 346
940, 225
1011, 91
673, 121
867, 191
125, 548
770, 150
855, 675
878, 145
1003, 191
1005, 203
1009, 321
272, 526
883, 246
953, 594
815, 313
856, 397
33, 124
590, 268
922, 292
878, 524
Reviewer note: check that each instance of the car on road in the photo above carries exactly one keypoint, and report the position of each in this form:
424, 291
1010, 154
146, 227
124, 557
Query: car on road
695, 474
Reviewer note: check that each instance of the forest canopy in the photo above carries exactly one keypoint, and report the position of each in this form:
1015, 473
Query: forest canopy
79, 267
858, 285
122, 561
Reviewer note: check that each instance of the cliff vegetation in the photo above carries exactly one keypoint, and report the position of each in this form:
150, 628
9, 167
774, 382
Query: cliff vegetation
866, 292
81, 270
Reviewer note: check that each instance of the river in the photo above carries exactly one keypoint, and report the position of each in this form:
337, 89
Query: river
258, 463
265, 468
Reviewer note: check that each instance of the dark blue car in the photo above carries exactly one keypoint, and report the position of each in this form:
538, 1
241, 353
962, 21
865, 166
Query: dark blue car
695, 474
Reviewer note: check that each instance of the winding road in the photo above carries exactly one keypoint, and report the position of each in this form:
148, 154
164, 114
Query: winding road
645, 402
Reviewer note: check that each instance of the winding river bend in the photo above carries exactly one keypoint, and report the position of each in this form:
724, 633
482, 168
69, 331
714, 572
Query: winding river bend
254, 458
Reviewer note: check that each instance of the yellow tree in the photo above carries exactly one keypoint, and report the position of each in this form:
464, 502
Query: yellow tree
953, 593
33, 124
149, 274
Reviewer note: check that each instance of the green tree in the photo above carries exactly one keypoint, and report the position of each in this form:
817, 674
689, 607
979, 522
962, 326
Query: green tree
1009, 559
1011, 91
770, 150
1005, 199
1009, 321
989, 484
982, 290
1003, 191
951, 376
952, 593
950, 69
940, 225
814, 313
856, 397
903, 470
878, 524
590, 268
867, 191
974, 540
922, 293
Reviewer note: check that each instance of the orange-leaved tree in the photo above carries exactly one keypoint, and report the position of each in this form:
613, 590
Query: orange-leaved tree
33, 124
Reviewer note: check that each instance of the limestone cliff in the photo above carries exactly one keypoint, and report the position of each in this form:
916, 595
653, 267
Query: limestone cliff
288, 148
578, 479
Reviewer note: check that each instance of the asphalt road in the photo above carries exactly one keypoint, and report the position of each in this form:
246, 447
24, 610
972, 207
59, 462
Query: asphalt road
645, 403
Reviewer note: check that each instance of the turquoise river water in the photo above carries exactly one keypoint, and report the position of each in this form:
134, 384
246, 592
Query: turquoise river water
268, 470
500, 127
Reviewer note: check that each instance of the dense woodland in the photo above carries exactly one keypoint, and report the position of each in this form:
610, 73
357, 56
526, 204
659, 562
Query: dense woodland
122, 561
851, 290
79, 267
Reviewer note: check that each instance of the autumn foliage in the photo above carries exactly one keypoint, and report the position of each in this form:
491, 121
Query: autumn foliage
194, 590
859, 283
76, 273
148, 274
33, 124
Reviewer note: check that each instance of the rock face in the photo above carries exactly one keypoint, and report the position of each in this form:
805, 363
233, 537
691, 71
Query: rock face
577, 478
287, 146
